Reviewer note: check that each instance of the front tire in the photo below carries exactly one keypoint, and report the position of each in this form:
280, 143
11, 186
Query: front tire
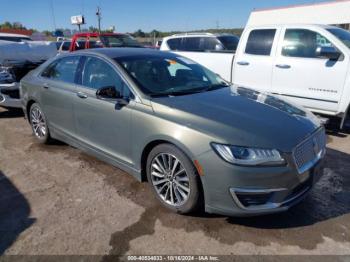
174, 179
39, 124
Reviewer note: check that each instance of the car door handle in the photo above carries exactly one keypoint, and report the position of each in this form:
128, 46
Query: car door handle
45, 86
243, 63
82, 95
283, 66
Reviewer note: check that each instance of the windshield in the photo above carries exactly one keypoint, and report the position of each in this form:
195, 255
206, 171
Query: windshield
230, 42
119, 41
341, 34
168, 75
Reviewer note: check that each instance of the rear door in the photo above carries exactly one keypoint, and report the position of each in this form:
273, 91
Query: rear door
254, 60
102, 124
58, 93
300, 75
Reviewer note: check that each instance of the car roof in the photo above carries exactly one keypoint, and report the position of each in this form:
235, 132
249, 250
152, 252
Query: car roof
279, 25
185, 35
13, 35
125, 52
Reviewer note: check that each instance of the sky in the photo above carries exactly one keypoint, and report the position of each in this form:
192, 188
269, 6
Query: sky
131, 15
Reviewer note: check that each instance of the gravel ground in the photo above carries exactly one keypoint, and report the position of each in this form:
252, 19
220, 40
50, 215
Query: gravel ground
57, 200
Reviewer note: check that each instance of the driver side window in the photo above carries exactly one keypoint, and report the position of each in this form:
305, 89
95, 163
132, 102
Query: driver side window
303, 43
98, 74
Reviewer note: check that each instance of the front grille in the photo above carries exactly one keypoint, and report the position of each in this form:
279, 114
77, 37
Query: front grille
310, 150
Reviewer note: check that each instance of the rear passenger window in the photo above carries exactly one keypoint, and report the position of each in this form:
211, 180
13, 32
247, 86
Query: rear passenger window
191, 44
260, 42
62, 70
174, 44
210, 44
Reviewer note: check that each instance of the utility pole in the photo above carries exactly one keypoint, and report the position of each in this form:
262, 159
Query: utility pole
99, 17
53, 14
217, 24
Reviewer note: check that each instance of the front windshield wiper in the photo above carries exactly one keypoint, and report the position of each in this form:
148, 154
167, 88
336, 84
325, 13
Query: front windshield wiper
216, 86
176, 93
191, 91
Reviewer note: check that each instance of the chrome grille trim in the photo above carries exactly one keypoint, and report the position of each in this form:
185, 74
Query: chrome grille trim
310, 151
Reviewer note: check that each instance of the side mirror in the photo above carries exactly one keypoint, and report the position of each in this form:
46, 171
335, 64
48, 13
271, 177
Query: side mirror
109, 93
330, 53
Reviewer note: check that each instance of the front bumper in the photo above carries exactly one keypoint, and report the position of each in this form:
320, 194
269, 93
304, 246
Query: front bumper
250, 191
9, 95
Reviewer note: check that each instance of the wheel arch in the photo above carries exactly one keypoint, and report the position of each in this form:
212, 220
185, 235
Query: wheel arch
28, 106
155, 142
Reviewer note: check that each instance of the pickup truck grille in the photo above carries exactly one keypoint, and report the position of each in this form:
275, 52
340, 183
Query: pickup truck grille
308, 152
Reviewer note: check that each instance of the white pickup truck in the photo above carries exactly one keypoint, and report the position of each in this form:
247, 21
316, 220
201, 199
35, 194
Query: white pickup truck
307, 64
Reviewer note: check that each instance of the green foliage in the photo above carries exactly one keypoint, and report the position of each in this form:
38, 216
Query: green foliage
14, 25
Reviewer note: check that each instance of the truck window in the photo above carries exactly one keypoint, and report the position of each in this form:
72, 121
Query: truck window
303, 43
341, 34
260, 42
175, 43
210, 44
191, 44
230, 42
65, 46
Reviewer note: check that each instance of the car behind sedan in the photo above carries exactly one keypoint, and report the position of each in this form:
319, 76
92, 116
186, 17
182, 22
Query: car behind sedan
198, 140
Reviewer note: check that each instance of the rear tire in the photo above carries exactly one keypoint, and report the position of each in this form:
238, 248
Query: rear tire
38, 123
174, 179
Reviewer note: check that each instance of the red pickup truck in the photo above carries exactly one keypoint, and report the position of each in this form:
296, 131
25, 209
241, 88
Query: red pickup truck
98, 40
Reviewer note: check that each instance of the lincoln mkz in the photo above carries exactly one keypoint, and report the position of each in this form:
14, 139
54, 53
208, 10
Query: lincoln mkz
199, 141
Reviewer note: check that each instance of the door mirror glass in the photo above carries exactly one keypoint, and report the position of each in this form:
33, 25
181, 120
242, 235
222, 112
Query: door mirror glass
108, 92
328, 52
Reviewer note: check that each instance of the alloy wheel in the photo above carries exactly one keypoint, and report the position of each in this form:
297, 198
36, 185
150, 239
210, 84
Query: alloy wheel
38, 122
170, 179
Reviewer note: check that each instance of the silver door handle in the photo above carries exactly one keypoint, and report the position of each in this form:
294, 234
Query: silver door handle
243, 63
82, 95
283, 66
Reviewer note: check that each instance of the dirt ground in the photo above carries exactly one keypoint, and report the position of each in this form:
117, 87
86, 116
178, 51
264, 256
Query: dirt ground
57, 200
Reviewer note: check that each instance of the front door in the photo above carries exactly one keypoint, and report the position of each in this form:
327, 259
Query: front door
300, 75
102, 124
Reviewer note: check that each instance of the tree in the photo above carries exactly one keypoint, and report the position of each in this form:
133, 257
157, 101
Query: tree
17, 25
93, 29
47, 33
6, 25
155, 33
139, 33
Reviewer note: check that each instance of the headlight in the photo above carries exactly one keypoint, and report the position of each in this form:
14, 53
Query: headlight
249, 156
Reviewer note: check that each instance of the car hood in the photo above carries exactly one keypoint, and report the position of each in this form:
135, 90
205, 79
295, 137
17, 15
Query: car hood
240, 116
